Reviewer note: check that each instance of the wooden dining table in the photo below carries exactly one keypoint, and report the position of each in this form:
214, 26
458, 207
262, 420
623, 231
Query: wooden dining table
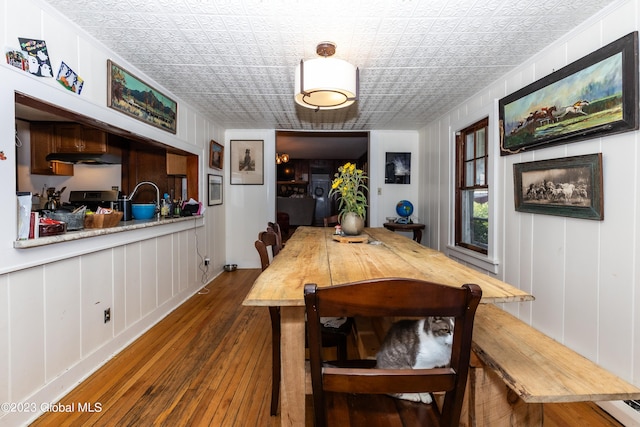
312, 255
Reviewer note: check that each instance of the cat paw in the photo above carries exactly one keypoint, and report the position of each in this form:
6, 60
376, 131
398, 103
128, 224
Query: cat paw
415, 397
425, 398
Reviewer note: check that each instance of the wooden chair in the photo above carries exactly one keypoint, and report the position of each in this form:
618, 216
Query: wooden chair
331, 337
275, 227
330, 220
355, 392
272, 243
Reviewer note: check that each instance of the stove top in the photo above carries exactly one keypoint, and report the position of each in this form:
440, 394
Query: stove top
93, 196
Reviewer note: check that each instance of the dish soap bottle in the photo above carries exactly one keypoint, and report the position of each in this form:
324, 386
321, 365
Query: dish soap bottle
165, 205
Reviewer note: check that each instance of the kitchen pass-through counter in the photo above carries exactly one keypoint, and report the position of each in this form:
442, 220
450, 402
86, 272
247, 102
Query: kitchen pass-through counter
92, 232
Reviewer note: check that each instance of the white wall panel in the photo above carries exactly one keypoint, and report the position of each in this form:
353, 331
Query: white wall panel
118, 310
166, 261
149, 252
577, 47
183, 247
618, 264
97, 287
620, 21
132, 283
548, 274
26, 320
63, 318
581, 287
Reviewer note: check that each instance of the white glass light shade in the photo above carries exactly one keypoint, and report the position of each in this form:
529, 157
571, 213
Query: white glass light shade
328, 83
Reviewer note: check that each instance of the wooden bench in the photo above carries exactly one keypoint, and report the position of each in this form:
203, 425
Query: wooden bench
527, 369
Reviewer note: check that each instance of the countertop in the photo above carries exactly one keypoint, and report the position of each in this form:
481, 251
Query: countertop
92, 232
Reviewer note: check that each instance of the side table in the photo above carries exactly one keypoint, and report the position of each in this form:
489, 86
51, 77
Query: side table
415, 227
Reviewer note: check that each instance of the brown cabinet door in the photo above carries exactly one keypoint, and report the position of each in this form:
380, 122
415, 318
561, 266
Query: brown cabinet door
43, 142
94, 140
74, 138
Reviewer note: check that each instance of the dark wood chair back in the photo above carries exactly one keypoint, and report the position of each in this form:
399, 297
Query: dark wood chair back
271, 241
330, 220
275, 227
335, 384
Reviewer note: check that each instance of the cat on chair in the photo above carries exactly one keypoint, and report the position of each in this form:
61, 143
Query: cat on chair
417, 344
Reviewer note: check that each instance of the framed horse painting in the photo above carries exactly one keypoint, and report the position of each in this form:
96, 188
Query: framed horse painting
594, 96
569, 186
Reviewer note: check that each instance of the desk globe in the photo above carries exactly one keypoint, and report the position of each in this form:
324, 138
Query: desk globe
404, 208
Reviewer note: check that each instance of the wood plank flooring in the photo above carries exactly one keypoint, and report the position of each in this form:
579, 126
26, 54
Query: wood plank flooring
209, 364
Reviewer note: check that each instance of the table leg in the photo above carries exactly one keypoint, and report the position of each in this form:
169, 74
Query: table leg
493, 404
417, 235
292, 390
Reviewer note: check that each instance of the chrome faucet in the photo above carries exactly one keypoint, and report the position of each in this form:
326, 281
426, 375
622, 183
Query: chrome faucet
157, 195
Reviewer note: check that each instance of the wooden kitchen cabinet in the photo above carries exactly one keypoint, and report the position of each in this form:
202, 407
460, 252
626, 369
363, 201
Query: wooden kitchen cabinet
43, 142
176, 164
75, 138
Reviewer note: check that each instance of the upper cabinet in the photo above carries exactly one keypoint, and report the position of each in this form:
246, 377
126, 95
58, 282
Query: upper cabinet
176, 164
61, 137
44, 140
75, 138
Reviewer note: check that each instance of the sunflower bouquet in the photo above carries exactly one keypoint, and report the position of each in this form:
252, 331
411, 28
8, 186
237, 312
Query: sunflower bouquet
350, 188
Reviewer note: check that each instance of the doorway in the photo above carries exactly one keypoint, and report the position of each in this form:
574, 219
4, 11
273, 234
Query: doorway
313, 159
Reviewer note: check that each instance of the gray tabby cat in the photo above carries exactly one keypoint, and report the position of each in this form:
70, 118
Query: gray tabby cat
417, 344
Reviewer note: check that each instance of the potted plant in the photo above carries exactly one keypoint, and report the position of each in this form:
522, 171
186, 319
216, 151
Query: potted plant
350, 188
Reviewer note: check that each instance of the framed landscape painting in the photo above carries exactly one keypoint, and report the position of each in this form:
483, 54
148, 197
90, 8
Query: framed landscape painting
133, 97
216, 155
594, 96
570, 186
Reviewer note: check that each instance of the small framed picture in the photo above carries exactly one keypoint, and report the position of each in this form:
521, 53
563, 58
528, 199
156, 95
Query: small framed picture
397, 169
247, 162
215, 190
216, 155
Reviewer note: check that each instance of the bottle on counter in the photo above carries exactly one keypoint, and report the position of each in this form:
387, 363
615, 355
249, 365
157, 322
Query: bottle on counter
165, 206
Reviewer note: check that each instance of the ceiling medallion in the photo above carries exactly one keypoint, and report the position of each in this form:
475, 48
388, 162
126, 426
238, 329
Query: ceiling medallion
326, 83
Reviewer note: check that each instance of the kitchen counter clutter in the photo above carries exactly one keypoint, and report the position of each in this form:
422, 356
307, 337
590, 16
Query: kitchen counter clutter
92, 232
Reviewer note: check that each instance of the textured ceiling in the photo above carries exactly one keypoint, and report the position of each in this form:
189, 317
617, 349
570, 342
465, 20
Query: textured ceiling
234, 60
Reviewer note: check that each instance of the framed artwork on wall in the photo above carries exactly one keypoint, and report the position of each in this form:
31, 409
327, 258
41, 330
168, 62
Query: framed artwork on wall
133, 97
215, 189
570, 186
594, 96
247, 162
216, 155
397, 168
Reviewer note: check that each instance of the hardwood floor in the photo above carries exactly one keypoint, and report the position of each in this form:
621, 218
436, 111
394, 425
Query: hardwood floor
209, 363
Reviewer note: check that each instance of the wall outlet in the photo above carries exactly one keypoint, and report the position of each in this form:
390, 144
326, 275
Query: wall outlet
107, 315
207, 261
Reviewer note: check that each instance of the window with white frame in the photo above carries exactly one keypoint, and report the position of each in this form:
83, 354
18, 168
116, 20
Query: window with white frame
472, 188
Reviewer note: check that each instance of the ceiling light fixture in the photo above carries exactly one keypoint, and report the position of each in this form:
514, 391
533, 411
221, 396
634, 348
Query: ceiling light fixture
282, 158
326, 83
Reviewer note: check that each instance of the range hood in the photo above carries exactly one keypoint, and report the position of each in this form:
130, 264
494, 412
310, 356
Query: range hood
85, 158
